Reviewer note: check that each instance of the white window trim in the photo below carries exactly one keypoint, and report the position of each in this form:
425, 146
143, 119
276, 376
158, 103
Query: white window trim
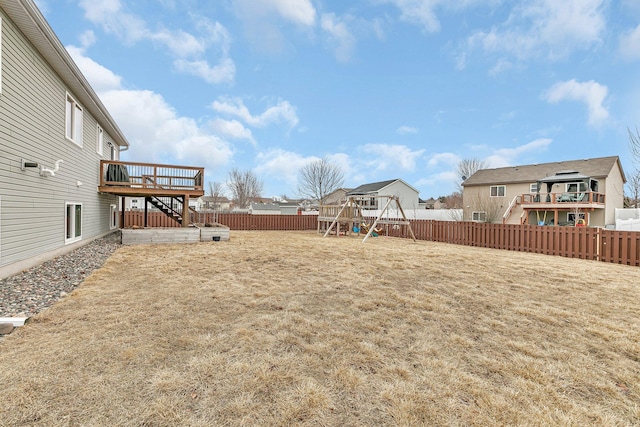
74, 238
497, 191
581, 215
71, 124
99, 140
113, 217
533, 188
477, 214
113, 151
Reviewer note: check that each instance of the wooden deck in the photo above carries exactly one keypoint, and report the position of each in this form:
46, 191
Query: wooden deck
148, 179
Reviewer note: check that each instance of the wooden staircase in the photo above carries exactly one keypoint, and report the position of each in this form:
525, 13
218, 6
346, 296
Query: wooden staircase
171, 206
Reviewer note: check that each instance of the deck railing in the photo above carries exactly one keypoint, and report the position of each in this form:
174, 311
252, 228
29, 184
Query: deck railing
149, 176
566, 197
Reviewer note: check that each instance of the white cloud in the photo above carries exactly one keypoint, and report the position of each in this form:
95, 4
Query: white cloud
340, 36
342, 160
100, 78
153, 128
591, 93
421, 12
223, 72
445, 178
548, 28
188, 49
630, 44
299, 12
263, 21
87, 39
508, 156
386, 157
231, 129
281, 164
180, 43
404, 130
448, 159
158, 134
282, 112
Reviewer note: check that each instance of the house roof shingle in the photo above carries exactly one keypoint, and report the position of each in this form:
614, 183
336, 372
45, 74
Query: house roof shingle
595, 168
376, 186
371, 187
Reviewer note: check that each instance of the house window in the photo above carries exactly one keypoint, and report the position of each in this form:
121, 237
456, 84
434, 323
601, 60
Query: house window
574, 187
113, 217
113, 152
571, 217
99, 140
73, 222
73, 127
498, 190
533, 188
479, 216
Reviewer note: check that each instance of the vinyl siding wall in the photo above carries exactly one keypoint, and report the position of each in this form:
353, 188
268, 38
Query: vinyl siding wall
613, 187
408, 197
32, 127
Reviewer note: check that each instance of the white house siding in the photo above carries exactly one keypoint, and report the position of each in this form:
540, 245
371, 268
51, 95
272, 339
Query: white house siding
614, 193
32, 127
408, 196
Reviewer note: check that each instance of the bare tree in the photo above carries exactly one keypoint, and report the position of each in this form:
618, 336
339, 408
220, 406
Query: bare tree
452, 201
633, 185
319, 178
467, 167
244, 187
216, 191
634, 146
490, 209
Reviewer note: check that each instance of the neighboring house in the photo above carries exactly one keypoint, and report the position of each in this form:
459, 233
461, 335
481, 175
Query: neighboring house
54, 131
431, 204
407, 195
337, 197
279, 208
219, 203
264, 209
576, 192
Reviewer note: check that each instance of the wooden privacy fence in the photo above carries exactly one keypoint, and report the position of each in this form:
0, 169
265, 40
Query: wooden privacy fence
620, 247
235, 221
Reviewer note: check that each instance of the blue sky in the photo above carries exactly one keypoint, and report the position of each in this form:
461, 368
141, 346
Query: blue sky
385, 88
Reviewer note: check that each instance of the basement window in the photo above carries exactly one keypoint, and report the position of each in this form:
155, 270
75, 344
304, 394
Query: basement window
113, 217
479, 216
73, 222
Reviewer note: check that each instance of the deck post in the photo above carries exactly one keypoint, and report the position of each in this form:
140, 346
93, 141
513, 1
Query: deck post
185, 210
146, 210
122, 212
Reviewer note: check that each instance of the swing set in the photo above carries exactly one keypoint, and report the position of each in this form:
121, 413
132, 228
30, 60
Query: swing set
349, 217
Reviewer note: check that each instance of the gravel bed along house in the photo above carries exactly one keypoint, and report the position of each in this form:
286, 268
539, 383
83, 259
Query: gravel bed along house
35, 289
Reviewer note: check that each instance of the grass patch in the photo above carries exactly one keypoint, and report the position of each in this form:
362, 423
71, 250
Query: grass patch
286, 328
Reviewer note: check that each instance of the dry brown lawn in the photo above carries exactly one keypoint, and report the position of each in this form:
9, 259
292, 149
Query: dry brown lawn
286, 328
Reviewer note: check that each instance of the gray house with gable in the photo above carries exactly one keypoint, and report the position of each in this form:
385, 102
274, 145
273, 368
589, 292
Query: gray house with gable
54, 131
